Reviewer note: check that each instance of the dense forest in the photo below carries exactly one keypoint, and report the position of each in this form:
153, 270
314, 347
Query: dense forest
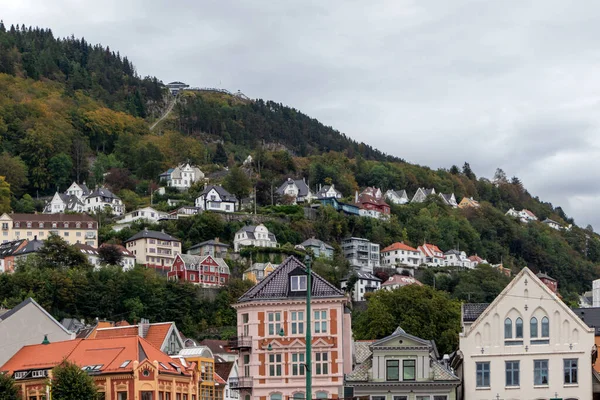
72, 111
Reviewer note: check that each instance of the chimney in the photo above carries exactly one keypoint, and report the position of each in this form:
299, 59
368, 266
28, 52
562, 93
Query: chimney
143, 327
217, 240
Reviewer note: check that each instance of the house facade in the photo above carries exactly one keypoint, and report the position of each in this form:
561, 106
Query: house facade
552, 224
524, 215
206, 271
361, 254
467, 202
456, 258
73, 228
397, 281
213, 247
271, 366
154, 249
228, 370
141, 214
449, 199
254, 235
402, 367
26, 324
328, 192
297, 189
122, 368
421, 195
372, 204
258, 271
365, 283
526, 344
399, 254
318, 247
103, 199
397, 196
182, 177
215, 198
431, 255
204, 362
91, 253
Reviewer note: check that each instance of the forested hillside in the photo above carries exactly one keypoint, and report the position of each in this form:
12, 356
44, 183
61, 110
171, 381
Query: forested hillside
74, 111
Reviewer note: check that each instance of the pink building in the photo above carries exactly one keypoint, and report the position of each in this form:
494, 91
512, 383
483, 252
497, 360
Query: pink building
271, 337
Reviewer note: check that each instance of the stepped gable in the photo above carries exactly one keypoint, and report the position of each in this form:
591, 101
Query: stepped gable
275, 286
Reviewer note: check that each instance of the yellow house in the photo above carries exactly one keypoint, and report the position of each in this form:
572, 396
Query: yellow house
73, 228
468, 202
258, 271
205, 362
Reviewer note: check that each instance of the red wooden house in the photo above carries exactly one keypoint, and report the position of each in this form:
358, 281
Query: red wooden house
207, 271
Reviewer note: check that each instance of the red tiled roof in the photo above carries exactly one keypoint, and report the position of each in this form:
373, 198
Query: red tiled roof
114, 332
398, 246
109, 354
476, 258
430, 249
218, 379
157, 333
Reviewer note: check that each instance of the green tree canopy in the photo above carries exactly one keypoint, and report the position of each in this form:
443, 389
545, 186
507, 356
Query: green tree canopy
8, 389
238, 183
70, 382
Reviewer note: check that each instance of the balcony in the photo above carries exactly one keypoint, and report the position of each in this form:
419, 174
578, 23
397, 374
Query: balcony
240, 343
241, 382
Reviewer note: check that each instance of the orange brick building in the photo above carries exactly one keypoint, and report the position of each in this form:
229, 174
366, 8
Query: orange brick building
123, 368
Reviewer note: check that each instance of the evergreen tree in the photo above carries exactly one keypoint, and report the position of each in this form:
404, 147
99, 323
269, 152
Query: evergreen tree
70, 382
468, 172
110, 254
220, 156
238, 184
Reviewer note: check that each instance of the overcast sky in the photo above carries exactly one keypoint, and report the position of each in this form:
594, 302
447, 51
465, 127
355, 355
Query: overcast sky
512, 84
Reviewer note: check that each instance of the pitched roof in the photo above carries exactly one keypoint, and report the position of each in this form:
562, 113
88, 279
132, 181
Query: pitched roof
86, 249
32, 246
276, 284
157, 332
211, 242
430, 249
543, 275
223, 369
398, 246
217, 346
526, 211
549, 221
472, 311
198, 260
29, 300
300, 184
591, 316
152, 235
249, 229
399, 193
109, 354
316, 243
7, 249
103, 192
224, 194
362, 350
323, 191
476, 258
362, 275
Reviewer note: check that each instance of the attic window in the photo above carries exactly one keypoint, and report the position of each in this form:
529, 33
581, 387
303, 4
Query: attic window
126, 363
298, 283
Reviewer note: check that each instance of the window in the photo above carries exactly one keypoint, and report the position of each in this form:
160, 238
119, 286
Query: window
512, 373
121, 395
545, 327
276, 396
147, 395
321, 363
440, 397
570, 366
507, 328
519, 328
320, 317
533, 327
540, 372
408, 370
297, 364
377, 397
400, 397
298, 283
274, 364
392, 370
483, 374
297, 318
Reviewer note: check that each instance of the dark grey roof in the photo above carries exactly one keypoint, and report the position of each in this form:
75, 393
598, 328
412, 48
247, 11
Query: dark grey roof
316, 243
362, 275
8, 248
550, 221
472, 311
302, 186
224, 194
249, 229
211, 242
447, 197
452, 252
428, 191
103, 192
321, 193
32, 246
275, 285
151, 234
542, 275
72, 324
591, 317
13, 310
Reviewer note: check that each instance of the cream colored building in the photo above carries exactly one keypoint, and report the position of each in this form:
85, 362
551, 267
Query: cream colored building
73, 228
154, 249
526, 344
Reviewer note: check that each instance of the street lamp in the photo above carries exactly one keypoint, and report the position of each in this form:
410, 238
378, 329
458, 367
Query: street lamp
308, 395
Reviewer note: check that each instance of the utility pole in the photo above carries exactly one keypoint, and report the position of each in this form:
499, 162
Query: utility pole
308, 395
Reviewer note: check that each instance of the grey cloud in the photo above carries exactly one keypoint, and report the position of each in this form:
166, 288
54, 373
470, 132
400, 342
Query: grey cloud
509, 84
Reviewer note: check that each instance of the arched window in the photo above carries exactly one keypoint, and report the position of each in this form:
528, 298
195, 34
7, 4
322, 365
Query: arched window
322, 395
545, 327
299, 396
519, 328
507, 328
533, 327
276, 396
